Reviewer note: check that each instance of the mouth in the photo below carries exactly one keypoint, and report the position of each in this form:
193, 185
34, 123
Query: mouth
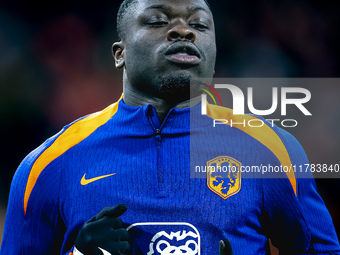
183, 53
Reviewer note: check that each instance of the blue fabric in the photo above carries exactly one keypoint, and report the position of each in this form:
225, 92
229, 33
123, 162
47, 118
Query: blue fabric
152, 177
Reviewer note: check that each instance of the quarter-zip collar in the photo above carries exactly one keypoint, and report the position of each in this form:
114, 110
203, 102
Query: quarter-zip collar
143, 120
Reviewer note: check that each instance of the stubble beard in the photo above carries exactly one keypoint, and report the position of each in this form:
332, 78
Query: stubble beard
177, 88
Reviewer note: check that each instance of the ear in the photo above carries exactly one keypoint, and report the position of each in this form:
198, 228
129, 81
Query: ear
118, 54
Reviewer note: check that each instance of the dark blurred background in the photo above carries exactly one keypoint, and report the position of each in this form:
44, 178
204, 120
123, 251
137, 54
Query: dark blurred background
56, 66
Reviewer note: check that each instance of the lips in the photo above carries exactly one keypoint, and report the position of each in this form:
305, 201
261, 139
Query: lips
183, 53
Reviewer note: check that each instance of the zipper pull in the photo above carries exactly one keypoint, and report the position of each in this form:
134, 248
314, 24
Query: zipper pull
158, 134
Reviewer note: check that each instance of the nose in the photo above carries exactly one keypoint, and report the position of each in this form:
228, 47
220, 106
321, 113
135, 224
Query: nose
181, 32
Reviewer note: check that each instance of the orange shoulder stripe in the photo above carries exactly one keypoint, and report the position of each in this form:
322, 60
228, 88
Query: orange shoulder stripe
265, 135
73, 135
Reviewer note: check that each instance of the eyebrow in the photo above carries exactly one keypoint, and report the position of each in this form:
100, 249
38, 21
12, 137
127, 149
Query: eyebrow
168, 8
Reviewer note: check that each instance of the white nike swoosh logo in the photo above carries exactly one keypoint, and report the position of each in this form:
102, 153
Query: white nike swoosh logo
104, 252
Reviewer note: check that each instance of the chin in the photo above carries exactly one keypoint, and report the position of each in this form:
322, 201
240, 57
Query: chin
177, 87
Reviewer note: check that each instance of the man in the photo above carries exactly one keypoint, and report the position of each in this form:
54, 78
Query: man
118, 181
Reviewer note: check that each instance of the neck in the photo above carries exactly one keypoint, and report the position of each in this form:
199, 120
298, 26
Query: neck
134, 97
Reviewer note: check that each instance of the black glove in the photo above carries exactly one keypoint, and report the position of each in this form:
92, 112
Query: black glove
105, 231
225, 248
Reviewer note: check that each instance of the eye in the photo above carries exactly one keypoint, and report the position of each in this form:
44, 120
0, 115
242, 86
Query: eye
199, 26
156, 23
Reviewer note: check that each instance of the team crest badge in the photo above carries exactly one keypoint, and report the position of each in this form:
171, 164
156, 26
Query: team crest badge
224, 176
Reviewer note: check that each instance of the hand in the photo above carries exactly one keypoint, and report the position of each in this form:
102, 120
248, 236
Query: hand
225, 248
104, 233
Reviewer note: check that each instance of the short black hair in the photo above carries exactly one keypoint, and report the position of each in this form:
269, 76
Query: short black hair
125, 5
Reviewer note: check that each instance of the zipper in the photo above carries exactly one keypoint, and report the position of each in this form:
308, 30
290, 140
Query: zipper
158, 137
161, 186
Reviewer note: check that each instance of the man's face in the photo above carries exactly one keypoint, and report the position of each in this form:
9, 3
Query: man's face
168, 42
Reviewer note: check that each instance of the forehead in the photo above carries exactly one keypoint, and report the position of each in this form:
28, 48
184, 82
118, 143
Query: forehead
173, 5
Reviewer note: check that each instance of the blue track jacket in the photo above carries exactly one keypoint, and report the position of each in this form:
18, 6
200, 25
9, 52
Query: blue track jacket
187, 182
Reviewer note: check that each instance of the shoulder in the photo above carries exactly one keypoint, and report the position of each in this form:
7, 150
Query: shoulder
279, 142
274, 138
42, 164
